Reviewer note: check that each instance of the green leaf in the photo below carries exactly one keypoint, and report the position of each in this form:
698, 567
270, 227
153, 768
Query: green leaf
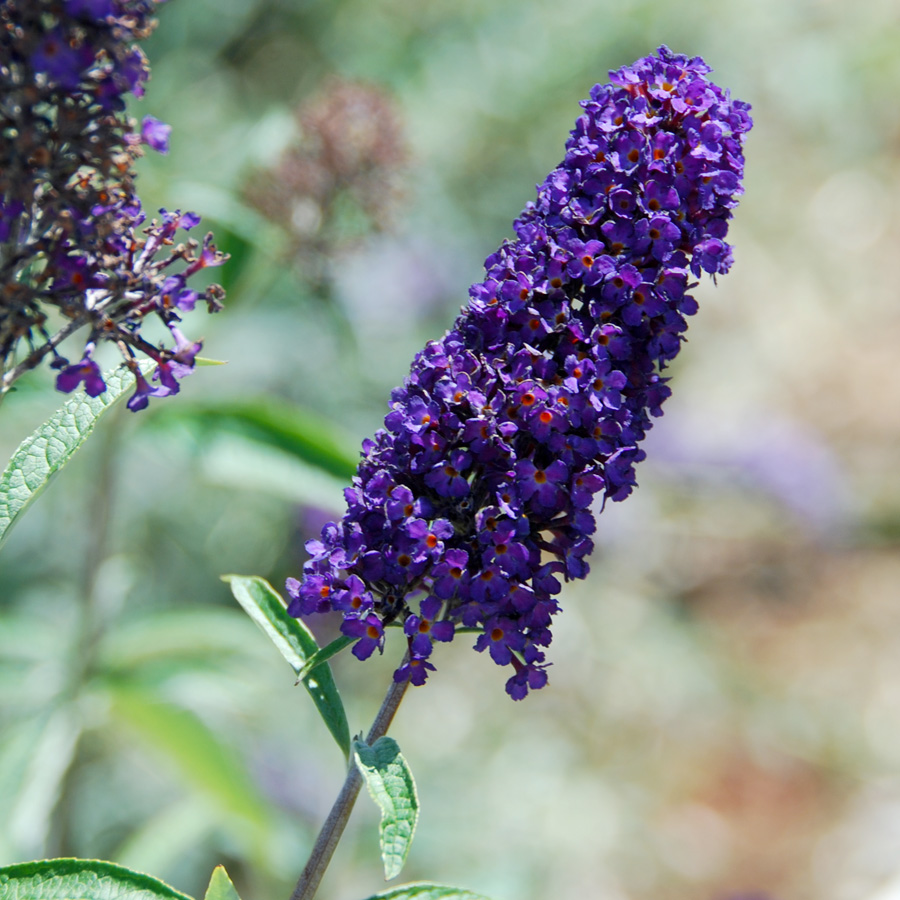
239, 462
41, 784
324, 655
205, 762
158, 842
47, 449
296, 644
423, 890
80, 879
298, 431
390, 782
174, 636
220, 886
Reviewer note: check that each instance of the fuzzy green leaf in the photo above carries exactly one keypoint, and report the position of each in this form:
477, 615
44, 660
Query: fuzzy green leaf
297, 645
390, 782
47, 449
80, 879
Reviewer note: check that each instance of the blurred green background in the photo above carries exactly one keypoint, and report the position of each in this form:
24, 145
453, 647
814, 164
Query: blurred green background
723, 715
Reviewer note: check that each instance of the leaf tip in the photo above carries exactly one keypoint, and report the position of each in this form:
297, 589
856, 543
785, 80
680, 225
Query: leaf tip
221, 886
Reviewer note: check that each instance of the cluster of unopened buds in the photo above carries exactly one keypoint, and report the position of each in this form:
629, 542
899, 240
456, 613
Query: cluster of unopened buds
74, 250
474, 502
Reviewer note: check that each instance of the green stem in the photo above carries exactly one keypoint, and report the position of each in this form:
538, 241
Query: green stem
91, 621
90, 624
331, 832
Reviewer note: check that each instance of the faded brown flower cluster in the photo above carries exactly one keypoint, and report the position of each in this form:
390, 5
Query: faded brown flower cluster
340, 180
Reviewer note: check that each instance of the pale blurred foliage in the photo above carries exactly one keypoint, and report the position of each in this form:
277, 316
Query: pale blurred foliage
723, 715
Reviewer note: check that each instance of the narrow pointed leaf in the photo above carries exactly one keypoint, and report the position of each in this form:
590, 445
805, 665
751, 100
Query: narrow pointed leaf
47, 449
390, 782
30, 816
301, 433
205, 762
80, 879
220, 886
424, 890
296, 644
324, 655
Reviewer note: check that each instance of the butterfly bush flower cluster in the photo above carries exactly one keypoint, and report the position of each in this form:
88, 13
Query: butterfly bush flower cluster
473, 504
76, 251
351, 148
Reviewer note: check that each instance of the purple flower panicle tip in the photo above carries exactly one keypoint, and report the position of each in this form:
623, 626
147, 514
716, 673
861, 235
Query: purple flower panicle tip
473, 504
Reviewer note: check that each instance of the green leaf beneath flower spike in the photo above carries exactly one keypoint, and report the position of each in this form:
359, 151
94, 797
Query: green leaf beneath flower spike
297, 645
424, 890
288, 427
80, 879
390, 782
220, 886
46, 450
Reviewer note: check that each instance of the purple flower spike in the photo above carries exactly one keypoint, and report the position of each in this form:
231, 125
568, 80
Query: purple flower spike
473, 503
78, 249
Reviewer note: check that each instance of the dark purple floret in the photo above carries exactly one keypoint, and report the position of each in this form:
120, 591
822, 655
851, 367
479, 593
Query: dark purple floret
155, 134
473, 504
87, 371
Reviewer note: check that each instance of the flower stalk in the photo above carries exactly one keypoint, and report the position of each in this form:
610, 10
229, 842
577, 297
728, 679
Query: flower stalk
331, 832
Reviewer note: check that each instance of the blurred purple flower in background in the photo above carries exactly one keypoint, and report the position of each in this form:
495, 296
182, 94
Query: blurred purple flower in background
473, 504
765, 454
70, 222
